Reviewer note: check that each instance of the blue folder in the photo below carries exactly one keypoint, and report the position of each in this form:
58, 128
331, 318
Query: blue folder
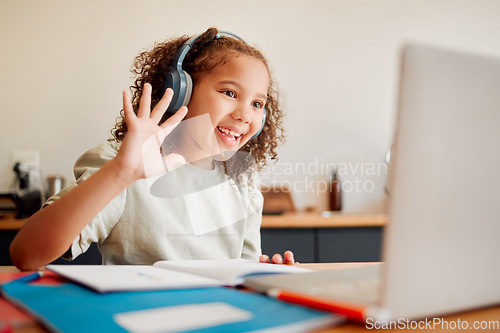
69, 307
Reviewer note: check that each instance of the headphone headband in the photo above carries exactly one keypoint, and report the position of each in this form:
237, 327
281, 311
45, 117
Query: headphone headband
184, 49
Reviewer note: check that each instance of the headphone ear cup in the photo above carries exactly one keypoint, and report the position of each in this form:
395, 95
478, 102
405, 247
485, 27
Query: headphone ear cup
263, 120
189, 89
172, 80
262, 126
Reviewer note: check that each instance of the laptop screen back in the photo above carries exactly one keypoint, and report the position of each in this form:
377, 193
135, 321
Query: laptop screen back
442, 244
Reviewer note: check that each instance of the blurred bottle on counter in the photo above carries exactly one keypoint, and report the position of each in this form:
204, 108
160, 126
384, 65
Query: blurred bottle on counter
335, 192
55, 184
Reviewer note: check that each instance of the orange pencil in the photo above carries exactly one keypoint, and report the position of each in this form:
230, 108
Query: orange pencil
352, 311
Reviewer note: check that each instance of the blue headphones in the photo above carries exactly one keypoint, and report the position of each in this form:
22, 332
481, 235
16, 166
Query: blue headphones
181, 82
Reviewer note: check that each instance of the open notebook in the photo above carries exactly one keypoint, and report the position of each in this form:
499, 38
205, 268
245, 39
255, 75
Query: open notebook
171, 274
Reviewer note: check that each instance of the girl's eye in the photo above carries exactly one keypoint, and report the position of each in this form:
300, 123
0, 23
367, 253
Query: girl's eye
229, 93
257, 105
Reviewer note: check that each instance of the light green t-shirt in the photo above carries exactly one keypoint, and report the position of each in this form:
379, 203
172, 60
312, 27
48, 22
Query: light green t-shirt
216, 220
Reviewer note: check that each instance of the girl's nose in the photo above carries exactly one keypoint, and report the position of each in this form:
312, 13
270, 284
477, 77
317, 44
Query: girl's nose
242, 113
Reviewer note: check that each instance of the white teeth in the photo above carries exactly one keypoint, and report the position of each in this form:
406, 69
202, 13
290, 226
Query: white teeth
230, 134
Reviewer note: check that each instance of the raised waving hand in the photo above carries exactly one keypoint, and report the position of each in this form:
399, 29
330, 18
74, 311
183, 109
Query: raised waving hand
140, 154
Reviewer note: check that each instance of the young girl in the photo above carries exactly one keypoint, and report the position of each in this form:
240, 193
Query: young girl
207, 206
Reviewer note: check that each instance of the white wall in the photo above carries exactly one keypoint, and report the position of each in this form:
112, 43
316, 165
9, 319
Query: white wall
65, 63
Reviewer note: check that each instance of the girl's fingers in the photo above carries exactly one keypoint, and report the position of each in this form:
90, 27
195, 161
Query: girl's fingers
264, 259
289, 259
174, 120
277, 259
162, 105
127, 105
145, 102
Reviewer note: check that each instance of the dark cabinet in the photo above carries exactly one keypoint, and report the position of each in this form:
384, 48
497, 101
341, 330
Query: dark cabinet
347, 244
91, 257
300, 241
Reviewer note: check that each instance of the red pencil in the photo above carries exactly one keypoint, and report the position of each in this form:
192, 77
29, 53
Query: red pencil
352, 311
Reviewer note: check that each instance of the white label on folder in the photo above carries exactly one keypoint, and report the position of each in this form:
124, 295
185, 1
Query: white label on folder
181, 317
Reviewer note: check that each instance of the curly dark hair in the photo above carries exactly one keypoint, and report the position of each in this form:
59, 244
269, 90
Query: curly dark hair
207, 52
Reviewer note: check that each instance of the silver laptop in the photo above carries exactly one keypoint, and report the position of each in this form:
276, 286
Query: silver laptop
441, 248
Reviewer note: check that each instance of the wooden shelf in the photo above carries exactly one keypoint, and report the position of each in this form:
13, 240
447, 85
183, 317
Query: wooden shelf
9, 222
323, 220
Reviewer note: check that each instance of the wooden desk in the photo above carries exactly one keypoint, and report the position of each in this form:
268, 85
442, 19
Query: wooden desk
480, 315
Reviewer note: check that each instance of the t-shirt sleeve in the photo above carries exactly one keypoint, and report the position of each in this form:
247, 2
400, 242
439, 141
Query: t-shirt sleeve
252, 245
102, 224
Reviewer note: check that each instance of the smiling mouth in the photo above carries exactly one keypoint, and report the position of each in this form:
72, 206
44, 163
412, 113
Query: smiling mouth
231, 135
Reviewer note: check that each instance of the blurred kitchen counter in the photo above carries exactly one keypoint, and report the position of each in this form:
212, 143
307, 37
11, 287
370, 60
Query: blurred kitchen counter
323, 220
285, 220
10, 222
312, 236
